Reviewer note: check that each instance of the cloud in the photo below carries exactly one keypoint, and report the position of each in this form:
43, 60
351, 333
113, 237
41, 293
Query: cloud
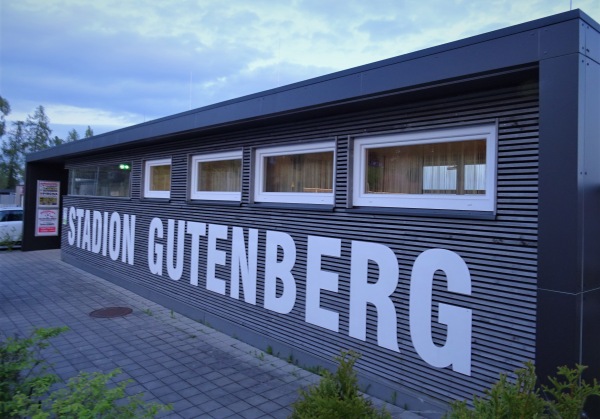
147, 59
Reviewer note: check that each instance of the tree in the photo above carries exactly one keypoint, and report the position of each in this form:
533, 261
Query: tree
38, 130
4, 111
26, 137
13, 155
73, 135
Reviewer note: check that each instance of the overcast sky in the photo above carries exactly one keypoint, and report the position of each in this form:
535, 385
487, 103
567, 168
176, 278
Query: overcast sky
115, 63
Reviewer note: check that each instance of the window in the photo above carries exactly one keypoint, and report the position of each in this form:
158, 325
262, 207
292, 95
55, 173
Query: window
295, 174
157, 178
450, 169
217, 176
108, 180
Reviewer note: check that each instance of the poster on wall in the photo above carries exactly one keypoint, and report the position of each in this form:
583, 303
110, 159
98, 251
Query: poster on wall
47, 208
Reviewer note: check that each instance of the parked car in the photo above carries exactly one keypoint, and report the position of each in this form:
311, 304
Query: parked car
11, 226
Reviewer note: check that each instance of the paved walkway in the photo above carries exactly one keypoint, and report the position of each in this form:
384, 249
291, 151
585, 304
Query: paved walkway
169, 357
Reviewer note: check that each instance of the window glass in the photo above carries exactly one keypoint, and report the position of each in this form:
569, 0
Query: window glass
157, 178
301, 173
15, 216
160, 177
83, 181
113, 180
440, 169
219, 176
436, 168
108, 180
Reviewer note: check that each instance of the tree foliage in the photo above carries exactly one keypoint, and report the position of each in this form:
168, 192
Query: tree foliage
33, 134
4, 111
38, 130
13, 155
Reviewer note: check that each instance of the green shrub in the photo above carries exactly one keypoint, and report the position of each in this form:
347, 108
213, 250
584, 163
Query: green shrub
25, 387
336, 395
23, 376
569, 396
522, 399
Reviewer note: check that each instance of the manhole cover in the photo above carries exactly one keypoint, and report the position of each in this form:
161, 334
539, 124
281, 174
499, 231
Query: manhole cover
109, 312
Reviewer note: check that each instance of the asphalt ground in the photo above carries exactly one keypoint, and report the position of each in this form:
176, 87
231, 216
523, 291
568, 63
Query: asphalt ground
170, 358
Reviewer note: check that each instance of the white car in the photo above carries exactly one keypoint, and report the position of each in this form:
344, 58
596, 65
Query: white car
11, 225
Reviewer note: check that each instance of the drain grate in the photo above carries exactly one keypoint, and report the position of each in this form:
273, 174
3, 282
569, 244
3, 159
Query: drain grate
110, 312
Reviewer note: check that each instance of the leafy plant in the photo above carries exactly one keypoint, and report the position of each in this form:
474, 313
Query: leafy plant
522, 399
88, 396
23, 376
7, 241
25, 386
570, 395
336, 395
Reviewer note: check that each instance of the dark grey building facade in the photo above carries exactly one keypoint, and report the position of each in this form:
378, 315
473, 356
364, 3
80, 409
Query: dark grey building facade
438, 212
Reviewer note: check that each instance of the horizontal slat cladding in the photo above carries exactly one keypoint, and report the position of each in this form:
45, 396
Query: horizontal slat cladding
501, 253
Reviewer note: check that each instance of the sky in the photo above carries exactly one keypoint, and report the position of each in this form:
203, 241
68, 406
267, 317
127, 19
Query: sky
116, 63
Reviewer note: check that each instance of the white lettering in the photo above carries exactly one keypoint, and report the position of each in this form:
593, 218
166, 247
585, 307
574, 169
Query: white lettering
195, 230
105, 235
215, 257
457, 350
175, 271
72, 231
317, 279
155, 251
128, 239
96, 231
279, 269
80, 213
362, 292
244, 266
374, 275
86, 242
114, 236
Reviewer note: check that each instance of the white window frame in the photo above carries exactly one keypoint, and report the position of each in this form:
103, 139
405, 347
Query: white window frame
261, 154
485, 202
213, 195
147, 166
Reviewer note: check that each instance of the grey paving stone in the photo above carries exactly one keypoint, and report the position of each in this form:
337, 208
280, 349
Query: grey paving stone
170, 358
252, 413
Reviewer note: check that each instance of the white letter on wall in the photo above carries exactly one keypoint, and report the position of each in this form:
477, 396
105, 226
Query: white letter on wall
378, 294
155, 249
457, 350
215, 257
72, 231
195, 230
80, 213
86, 241
283, 270
316, 280
175, 271
105, 235
128, 238
244, 266
96, 231
114, 236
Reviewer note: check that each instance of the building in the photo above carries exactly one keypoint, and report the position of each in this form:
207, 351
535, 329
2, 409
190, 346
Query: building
437, 212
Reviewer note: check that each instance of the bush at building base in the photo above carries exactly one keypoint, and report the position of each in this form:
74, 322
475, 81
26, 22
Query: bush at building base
336, 395
565, 398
